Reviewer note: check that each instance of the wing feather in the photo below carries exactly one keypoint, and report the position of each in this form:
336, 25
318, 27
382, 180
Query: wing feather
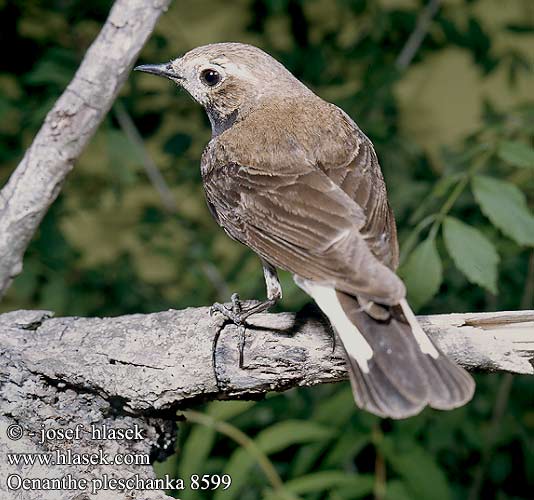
309, 227
308, 197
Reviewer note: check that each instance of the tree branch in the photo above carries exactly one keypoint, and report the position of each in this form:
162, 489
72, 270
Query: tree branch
416, 38
151, 169
69, 126
139, 369
156, 362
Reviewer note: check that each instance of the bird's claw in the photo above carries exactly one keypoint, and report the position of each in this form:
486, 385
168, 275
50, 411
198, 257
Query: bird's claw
233, 313
237, 316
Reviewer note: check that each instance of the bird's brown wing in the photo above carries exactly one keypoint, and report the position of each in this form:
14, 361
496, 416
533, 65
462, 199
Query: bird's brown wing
302, 221
361, 179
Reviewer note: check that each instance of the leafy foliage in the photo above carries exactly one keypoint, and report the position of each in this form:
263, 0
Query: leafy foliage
517, 154
457, 155
505, 205
472, 253
423, 273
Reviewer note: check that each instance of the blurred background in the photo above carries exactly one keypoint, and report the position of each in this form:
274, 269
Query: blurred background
452, 120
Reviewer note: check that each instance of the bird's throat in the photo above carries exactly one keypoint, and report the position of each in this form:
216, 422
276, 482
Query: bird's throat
219, 121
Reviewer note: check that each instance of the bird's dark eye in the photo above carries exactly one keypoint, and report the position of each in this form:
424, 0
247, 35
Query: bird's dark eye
210, 77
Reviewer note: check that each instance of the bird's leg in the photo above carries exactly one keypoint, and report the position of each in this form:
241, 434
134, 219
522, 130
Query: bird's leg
274, 291
237, 314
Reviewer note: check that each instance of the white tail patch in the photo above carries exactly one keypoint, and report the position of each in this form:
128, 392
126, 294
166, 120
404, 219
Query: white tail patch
421, 337
354, 342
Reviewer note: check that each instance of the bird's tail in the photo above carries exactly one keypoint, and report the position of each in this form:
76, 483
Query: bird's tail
406, 371
394, 368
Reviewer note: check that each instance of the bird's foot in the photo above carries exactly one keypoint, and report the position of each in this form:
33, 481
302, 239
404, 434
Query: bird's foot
238, 315
234, 313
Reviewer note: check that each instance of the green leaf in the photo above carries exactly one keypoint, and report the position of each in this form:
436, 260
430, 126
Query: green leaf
422, 273
396, 490
419, 471
238, 467
359, 484
199, 443
506, 207
283, 434
335, 410
517, 154
307, 456
166, 467
347, 446
275, 438
226, 410
409, 243
195, 452
270, 494
472, 253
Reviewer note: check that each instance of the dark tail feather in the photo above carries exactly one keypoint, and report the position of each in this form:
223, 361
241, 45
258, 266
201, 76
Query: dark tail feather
451, 386
401, 380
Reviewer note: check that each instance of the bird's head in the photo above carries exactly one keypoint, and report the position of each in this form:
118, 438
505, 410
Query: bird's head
228, 79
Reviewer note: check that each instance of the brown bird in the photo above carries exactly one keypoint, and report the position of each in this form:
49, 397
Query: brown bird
292, 177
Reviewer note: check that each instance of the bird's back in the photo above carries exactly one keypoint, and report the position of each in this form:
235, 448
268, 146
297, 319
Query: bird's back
286, 136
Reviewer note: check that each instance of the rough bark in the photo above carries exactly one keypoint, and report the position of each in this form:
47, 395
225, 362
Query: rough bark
139, 369
69, 126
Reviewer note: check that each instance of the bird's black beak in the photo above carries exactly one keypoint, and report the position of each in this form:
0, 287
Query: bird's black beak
165, 70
